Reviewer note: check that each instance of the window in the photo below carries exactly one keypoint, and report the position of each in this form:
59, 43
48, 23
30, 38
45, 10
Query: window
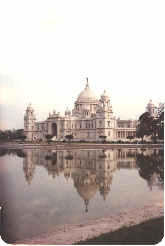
109, 133
100, 123
80, 125
108, 123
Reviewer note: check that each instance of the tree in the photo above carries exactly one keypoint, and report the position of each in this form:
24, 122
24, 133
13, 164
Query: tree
22, 138
103, 139
160, 113
148, 126
69, 137
130, 138
141, 131
8, 135
48, 137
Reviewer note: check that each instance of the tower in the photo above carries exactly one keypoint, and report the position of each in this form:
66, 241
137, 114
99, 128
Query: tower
151, 108
104, 117
29, 123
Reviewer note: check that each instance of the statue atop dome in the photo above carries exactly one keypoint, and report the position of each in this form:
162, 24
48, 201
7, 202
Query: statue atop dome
87, 84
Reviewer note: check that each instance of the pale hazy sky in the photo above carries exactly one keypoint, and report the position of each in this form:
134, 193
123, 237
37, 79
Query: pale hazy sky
49, 47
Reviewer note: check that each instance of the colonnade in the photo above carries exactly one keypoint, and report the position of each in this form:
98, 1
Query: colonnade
124, 134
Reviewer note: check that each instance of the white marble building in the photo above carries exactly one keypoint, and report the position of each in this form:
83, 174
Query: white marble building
89, 119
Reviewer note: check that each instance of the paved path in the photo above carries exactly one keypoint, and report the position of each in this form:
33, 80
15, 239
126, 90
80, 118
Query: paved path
78, 146
68, 236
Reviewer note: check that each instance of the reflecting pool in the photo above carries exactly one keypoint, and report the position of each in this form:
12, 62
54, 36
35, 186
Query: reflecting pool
45, 190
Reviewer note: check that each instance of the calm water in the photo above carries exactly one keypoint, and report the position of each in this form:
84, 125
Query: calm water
46, 190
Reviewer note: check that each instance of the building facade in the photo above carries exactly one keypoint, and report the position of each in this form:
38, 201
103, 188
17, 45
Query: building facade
89, 119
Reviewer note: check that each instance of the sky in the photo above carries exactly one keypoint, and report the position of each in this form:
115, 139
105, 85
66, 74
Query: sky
49, 47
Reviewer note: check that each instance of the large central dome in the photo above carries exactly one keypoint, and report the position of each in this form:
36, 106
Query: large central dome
87, 95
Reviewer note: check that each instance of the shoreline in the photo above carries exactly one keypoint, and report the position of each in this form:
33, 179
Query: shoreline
73, 234
79, 146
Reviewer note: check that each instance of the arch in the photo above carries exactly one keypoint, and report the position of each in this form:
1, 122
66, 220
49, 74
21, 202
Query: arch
54, 129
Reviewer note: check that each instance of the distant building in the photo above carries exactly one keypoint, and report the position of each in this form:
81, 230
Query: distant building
89, 119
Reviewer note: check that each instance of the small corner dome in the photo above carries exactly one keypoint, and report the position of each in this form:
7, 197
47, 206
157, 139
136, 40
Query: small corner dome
67, 111
150, 104
30, 107
104, 95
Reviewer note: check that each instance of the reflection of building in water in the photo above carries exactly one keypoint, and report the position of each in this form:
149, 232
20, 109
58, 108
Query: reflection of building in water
29, 166
91, 170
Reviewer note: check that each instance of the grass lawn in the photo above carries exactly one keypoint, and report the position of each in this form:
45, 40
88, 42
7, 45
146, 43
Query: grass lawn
150, 232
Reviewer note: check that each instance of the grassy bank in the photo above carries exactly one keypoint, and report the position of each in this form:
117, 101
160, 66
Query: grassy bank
150, 232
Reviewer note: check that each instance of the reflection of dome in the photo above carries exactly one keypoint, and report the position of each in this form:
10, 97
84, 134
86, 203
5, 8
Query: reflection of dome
86, 192
87, 95
104, 95
67, 175
104, 191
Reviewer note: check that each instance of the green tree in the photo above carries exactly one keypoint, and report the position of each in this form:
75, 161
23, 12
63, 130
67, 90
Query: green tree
148, 126
160, 113
103, 141
130, 138
69, 137
22, 138
48, 137
141, 131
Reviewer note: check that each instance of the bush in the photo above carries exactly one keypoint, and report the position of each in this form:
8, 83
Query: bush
82, 141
